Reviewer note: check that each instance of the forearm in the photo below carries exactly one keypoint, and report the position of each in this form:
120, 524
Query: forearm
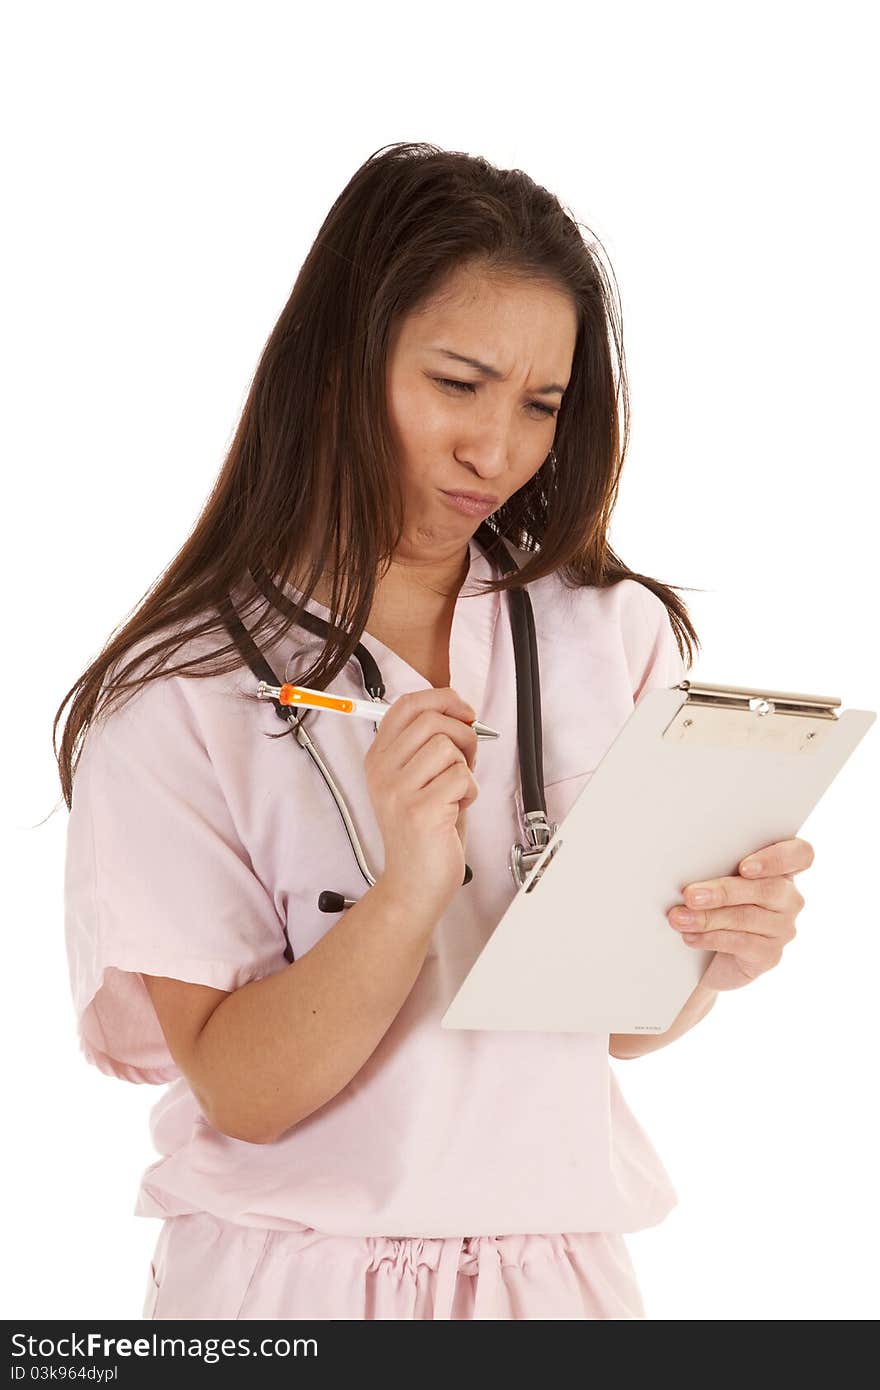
629, 1045
279, 1048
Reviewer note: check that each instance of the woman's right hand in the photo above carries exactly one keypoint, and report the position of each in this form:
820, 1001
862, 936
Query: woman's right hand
419, 771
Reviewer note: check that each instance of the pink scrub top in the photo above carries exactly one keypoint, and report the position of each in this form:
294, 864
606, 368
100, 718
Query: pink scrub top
195, 842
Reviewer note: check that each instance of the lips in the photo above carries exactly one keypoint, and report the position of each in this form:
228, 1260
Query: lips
483, 497
469, 506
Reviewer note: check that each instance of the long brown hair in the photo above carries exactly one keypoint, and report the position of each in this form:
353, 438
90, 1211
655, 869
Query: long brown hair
313, 454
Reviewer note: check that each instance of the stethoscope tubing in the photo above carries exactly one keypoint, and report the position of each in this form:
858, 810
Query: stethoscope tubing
303, 739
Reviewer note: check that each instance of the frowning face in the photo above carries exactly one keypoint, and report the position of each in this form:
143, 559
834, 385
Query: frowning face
464, 427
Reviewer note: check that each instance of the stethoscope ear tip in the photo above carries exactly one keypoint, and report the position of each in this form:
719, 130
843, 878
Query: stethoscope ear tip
330, 902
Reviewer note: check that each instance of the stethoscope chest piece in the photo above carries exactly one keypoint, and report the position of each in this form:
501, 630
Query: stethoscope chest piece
523, 858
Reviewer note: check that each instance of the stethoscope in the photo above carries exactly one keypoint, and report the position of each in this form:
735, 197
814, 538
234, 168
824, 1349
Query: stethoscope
538, 830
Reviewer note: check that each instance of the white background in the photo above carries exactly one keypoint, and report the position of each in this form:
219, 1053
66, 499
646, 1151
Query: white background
166, 168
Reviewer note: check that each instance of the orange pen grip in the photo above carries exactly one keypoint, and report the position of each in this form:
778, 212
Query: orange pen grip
296, 695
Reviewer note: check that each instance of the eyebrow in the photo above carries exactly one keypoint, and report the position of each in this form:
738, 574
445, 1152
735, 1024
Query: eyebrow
494, 373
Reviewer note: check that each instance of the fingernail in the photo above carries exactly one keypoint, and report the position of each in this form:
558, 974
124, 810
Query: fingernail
752, 866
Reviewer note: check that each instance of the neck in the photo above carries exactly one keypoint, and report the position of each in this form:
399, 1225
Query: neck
428, 583
412, 588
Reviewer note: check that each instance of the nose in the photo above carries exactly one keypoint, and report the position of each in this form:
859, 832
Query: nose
487, 461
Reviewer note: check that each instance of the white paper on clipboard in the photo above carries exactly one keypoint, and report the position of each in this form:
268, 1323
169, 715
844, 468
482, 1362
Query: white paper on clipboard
698, 776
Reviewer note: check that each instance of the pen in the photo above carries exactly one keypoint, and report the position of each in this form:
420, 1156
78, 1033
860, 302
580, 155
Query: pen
288, 694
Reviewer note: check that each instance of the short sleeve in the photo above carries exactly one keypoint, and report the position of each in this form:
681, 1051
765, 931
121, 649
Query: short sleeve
651, 645
156, 880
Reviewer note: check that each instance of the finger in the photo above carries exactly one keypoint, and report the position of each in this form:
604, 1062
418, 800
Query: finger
744, 918
782, 859
778, 894
406, 708
433, 738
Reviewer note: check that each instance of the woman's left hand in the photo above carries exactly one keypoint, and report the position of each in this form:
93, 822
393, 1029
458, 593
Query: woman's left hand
749, 919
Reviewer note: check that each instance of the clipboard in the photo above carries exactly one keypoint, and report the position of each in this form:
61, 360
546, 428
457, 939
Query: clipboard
697, 777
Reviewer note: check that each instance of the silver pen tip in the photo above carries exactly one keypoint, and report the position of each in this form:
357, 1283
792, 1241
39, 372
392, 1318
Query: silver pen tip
484, 731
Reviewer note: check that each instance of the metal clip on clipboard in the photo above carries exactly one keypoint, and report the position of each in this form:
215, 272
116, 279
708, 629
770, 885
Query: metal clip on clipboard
741, 718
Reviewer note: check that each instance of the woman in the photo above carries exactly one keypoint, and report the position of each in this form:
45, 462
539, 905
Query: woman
328, 1150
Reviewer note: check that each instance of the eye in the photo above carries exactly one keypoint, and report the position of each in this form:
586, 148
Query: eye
472, 386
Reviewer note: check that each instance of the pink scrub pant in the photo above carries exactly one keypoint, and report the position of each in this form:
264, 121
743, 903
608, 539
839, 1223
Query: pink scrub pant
203, 1267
